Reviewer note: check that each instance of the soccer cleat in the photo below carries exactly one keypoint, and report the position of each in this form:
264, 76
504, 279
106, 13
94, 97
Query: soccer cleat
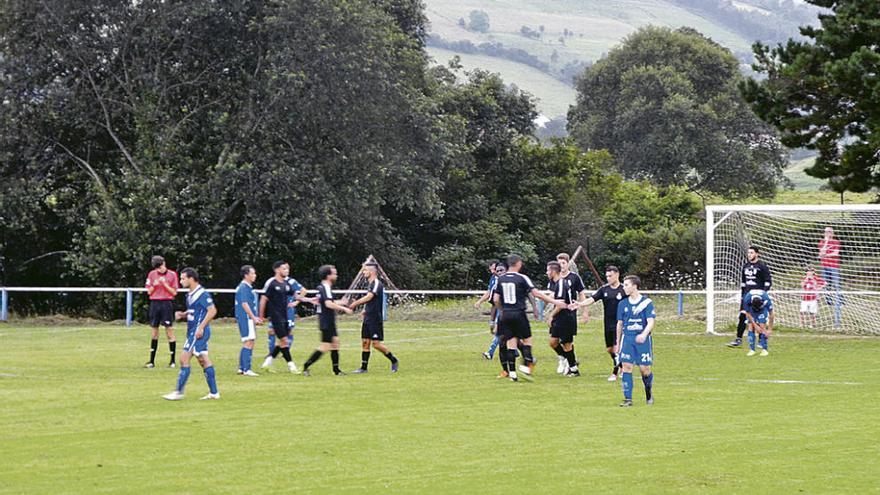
395, 366
735, 343
573, 372
172, 365
765, 352
751, 353
512, 376
339, 373
359, 371
238, 372
526, 370
149, 366
249, 373
561, 367
503, 374
173, 396
291, 366
612, 377
626, 403
211, 396
306, 373
650, 401
487, 356
267, 362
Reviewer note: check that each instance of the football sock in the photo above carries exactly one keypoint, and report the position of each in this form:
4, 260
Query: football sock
616, 368
276, 351
154, 344
314, 357
751, 340
285, 351
241, 359
334, 356
559, 350
527, 354
391, 357
271, 344
741, 326
627, 383
511, 360
182, 377
502, 356
493, 346
248, 354
649, 382
211, 378
763, 340
572, 360
365, 359
172, 346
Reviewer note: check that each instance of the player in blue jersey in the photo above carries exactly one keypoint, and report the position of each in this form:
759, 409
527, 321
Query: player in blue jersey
200, 310
246, 318
635, 323
497, 268
759, 311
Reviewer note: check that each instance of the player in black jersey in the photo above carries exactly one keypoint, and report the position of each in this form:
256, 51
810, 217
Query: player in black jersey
610, 294
373, 328
510, 296
327, 308
578, 294
276, 297
563, 322
755, 275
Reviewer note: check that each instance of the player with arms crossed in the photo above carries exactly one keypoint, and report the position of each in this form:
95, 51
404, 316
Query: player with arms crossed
759, 311
246, 318
563, 323
200, 310
373, 327
635, 323
511, 293
327, 308
610, 294
162, 288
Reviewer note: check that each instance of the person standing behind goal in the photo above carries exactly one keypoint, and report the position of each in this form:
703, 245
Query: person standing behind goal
755, 276
161, 287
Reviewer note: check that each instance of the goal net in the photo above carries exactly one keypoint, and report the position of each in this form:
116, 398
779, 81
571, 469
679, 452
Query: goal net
840, 243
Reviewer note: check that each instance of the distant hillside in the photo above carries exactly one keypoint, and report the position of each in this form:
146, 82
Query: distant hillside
538, 44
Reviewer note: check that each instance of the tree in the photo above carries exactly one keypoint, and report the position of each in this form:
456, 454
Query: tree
823, 94
479, 21
666, 104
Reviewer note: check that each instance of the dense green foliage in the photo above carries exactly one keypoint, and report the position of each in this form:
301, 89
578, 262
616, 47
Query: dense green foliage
666, 104
824, 93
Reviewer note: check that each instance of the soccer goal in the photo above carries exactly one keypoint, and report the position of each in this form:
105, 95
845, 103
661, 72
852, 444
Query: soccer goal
841, 243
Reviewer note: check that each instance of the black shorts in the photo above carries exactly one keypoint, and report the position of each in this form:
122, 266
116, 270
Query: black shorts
515, 324
281, 327
564, 328
328, 331
610, 337
373, 330
161, 313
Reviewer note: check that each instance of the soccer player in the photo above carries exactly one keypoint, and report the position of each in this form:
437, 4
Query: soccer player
372, 328
161, 287
327, 308
610, 294
497, 268
510, 295
277, 298
811, 284
759, 311
245, 307
755, 275
579, 292
635, 323
200, 310
563, 322
292, 303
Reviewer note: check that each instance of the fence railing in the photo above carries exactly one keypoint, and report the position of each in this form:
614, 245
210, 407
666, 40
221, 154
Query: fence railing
129, 293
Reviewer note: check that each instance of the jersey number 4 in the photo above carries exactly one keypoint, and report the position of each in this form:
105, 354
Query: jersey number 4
509, 291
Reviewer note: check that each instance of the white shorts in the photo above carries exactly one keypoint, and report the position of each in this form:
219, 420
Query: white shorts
810, 306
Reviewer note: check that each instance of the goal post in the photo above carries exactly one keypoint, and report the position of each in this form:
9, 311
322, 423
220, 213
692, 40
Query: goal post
790, 238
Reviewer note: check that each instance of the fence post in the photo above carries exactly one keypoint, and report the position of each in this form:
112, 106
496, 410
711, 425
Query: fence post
680, 303
4, 305
128, 309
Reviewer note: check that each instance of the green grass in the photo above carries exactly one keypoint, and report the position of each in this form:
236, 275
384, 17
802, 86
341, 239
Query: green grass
803, 182
78, 415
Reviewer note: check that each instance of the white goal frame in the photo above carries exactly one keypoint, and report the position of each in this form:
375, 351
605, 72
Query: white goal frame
726, 211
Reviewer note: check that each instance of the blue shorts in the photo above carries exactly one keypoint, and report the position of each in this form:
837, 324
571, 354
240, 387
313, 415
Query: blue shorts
246, 329
634, 353
197, 346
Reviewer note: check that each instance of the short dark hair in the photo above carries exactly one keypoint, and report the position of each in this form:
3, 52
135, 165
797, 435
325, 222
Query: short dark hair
755, 249
501, 264
493, 264
157, 261
246, 270
513, 259
278, 264
756, 303
555, 266
324, 271
612, 268
634, 279
190, 273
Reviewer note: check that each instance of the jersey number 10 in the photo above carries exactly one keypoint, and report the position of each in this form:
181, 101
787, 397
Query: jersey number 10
509, 291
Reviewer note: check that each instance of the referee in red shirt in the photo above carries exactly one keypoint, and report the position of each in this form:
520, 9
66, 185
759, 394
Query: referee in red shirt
161, 287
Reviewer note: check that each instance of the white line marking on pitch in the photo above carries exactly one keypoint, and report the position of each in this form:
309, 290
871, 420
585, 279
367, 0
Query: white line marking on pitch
785, 382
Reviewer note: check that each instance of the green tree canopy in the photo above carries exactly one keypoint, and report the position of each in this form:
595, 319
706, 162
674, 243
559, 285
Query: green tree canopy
824, 94
666, 104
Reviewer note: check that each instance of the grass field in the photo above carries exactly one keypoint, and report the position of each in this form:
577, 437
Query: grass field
79, 415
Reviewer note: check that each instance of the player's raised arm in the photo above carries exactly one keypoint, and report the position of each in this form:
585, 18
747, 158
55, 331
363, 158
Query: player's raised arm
363, 300
337, 307
547, 299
